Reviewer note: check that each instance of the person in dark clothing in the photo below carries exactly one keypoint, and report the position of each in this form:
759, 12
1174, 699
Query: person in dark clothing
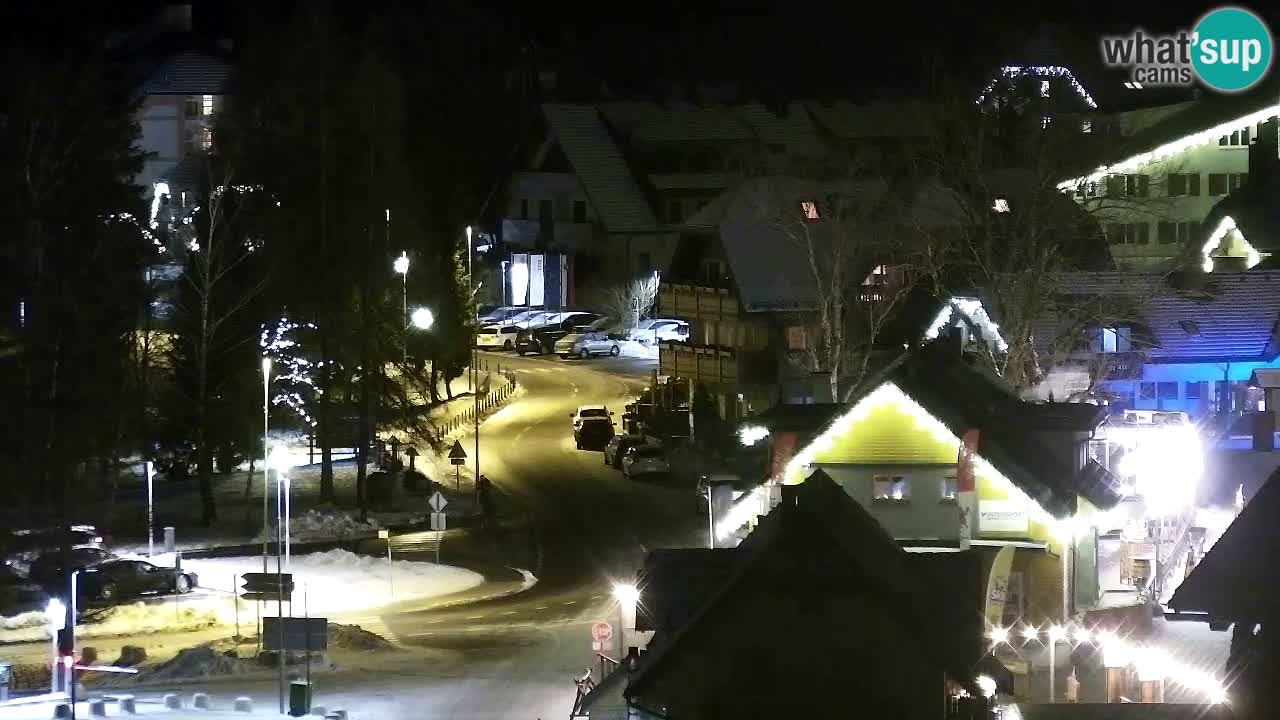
484, 498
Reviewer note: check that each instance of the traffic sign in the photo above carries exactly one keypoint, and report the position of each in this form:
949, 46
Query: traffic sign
456, 452
437, 502
457, 461
601, 632
267, 586
437, 521
299, 633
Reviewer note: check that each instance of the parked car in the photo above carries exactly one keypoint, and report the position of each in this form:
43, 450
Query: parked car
523, 318
618, 445
498, 314
497, 337
584, 342
18, 595
120, 579
541, 339
645, 460
48, 570
586, 412
593, 433
659, 330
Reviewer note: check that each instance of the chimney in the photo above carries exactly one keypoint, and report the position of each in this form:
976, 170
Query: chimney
1264, 155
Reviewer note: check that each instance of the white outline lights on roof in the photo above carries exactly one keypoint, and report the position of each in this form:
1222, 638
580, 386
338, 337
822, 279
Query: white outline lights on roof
1170, 149
1009, 72
1225, 226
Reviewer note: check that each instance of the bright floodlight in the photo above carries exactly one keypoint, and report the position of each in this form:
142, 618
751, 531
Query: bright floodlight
1083, 635
279, 459
422, 318
986, 685
266, 367
626, 593
401, 264
999, 635
1030, 632
750, 434
56, 614
1056, 633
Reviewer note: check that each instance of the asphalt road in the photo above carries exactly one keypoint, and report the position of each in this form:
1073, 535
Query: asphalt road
516, 657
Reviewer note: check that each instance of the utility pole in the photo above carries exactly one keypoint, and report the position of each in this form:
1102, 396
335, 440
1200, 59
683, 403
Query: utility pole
475, 359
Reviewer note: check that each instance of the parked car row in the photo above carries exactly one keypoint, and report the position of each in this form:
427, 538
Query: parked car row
567, 333
634, 455
35, 569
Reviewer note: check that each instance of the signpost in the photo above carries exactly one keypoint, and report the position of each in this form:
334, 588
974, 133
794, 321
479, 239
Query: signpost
601, 634
438, 503
457, 458
268, 586
307, 634
391, 583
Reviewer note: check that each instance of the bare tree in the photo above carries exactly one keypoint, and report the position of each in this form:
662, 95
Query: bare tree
218, 292
627, 304
861, 260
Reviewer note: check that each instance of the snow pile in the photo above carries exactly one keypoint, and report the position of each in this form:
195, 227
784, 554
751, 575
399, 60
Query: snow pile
354, 637
339, 581
325, 523
635, 349
23, 620
136, 619
195, 662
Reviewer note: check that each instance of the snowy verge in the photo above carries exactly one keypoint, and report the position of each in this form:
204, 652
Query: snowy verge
636, 349
136, 619
325, 523
338, 581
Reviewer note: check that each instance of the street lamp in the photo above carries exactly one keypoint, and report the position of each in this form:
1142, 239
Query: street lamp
266, 461
401, 265
627, 596
422, 318
280, 462
56, 614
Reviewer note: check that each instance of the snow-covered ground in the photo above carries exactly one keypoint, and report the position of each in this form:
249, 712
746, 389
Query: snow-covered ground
333, 583
339, 581
634, 349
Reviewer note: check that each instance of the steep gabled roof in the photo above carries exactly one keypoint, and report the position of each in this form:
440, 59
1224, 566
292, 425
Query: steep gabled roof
190, 73
599, 163
820, 511
1216, 317
1239, 578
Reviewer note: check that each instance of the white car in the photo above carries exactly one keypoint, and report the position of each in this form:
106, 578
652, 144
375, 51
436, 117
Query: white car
659, 330
644, 460
497, 337
589, 411
584, 343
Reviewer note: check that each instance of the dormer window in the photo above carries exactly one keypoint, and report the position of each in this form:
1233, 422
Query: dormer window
1113, 340
1001, 205
809, 209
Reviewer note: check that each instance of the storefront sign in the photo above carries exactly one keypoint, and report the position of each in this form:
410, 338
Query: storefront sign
1002, 516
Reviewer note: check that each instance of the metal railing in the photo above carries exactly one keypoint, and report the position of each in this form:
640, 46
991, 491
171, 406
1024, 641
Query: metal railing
494, 397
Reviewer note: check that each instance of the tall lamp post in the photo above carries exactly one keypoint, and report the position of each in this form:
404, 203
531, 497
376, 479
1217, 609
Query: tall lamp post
627, 596
266, 461
475, 357
401, 265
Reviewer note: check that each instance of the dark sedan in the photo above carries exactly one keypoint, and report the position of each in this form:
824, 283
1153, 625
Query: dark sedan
49, 572
123, 579
542, 339
593, 433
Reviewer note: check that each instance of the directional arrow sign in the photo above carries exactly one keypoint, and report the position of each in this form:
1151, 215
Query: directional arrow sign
437, 502
437, 521
456, 452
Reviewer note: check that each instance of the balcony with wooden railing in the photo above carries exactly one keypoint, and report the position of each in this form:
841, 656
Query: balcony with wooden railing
715, 365
692, 302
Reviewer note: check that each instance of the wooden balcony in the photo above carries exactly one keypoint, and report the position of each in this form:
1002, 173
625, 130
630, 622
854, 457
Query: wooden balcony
715, 365
691, 302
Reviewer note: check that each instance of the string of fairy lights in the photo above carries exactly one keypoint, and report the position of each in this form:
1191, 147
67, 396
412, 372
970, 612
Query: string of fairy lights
294, 375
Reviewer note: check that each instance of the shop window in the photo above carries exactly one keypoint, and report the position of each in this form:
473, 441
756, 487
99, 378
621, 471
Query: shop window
1167, 390
891, 488
1194, 390
949, 489
1147, 391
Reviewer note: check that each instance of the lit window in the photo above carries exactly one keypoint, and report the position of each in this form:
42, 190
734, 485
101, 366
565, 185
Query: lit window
810, 210
876, 277
206, 138
891, 488
1001, 205
206, 105
1086, 126
1044, 88
949, 488
796, 339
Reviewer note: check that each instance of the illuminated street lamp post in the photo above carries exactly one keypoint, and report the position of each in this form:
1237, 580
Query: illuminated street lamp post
56, 614
279, 461
266, 461
627, 596
1056, 635
401, 265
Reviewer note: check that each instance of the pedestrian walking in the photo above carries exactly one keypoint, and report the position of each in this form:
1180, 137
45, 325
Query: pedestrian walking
484, 498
